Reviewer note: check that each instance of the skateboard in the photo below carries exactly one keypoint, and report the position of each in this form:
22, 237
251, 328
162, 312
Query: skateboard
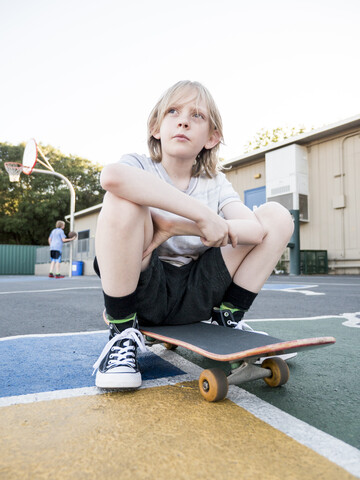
241, 349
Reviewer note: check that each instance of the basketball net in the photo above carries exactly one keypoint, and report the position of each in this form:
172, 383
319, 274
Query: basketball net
14, 170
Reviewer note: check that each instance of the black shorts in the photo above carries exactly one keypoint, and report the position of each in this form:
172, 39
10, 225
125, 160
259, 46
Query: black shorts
171, 295
55, 254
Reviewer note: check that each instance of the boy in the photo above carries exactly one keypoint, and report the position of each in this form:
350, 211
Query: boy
174, 242
56, 239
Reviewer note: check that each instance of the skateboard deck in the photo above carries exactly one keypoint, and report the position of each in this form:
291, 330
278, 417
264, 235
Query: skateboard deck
240, 348
227, 344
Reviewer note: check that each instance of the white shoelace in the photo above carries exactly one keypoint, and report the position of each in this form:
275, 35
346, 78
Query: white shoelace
121, 353
246, 328
239, 326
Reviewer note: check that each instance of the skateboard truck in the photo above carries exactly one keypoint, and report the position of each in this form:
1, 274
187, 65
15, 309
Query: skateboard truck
214, 383
246, 372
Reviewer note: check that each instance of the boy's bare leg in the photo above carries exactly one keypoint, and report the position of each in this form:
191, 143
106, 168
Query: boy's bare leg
250, 267
124, 230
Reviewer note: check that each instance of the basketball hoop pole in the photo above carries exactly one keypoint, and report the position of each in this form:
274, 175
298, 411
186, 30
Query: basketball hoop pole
30, 157
72, 206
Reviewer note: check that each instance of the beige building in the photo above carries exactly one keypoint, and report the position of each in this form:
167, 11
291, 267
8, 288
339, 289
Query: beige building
317, 173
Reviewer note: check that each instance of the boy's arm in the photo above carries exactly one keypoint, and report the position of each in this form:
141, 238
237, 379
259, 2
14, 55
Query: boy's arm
145, 189
165, 228
244, 226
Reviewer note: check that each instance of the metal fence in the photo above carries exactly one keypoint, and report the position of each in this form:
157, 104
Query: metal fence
82, 250
17, 259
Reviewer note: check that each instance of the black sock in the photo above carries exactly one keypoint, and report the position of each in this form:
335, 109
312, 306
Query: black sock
239, 297
119, 308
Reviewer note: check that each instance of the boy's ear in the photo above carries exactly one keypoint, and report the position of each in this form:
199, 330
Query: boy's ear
214, 139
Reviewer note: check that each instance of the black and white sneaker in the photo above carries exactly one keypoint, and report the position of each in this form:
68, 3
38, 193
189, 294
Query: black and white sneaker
117, 366
230, 318
227, 318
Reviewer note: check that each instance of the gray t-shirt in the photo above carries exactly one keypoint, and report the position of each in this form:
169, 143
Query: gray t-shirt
215, 192
56, 239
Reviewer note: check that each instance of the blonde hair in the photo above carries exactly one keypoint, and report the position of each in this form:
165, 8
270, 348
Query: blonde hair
207, 160
60, 224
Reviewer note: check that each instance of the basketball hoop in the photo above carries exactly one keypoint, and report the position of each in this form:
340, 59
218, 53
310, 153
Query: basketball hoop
31, 157
14, 170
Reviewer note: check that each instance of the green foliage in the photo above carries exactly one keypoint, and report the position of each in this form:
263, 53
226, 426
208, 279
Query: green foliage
265, 137
29, 209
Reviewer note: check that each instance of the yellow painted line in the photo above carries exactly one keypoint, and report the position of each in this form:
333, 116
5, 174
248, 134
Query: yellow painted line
156, 433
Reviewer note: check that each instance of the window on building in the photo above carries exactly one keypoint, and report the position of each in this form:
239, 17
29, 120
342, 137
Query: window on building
83, 241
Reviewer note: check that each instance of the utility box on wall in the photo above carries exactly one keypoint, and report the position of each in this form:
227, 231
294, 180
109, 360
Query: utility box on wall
313, 262
287, 178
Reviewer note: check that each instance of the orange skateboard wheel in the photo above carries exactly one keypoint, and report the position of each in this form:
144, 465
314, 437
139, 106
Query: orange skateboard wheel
279, 369
213, 384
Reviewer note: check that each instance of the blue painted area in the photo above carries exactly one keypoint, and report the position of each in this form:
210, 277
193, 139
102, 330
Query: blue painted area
49, 363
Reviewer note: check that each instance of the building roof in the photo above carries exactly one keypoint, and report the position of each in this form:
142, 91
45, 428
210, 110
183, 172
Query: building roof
303, 139
86, 211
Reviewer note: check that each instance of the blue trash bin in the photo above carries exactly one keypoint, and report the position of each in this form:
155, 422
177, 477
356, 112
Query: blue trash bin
77, 268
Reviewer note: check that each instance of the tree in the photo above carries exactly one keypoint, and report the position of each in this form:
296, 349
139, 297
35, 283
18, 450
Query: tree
265, 137
30, 208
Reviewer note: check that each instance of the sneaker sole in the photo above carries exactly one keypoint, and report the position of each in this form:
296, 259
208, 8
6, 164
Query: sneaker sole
108, 380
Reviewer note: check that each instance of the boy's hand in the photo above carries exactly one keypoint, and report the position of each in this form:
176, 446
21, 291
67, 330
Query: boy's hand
233, 235
214, 231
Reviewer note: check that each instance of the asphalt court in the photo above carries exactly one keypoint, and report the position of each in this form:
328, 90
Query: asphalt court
53, 328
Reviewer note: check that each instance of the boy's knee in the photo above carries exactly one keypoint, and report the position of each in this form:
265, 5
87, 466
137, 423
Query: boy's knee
120, 205
276, 216
120, 210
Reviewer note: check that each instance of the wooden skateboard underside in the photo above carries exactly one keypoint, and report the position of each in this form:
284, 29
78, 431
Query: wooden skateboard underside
228, 345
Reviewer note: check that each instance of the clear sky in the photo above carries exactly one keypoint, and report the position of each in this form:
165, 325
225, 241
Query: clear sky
83, 75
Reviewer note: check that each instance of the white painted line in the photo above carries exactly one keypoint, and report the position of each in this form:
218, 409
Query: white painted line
86, 391
297, 290
49, 290
285, 287
335, 450
319, 283
41, 335
178, 361
46, 396
268, 286
351, 319
286, 319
